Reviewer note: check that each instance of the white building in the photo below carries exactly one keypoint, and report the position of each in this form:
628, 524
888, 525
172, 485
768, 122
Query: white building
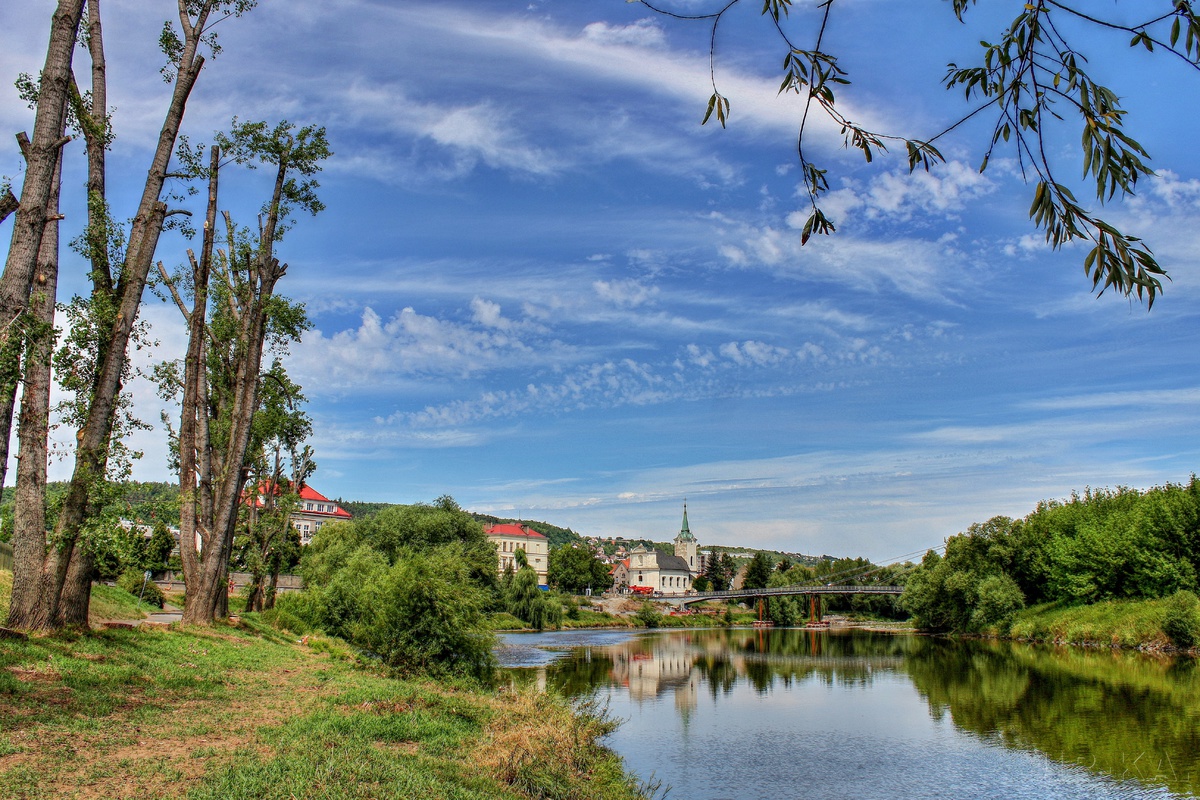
509, 537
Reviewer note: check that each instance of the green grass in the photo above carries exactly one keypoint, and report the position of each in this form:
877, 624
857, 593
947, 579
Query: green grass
5, 593
1121, 623
248, 712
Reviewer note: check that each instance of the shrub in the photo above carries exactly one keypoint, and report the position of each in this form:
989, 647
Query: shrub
998, 597
284, 621
1182, 621
648, 615
131, 581
422, 618
525, 601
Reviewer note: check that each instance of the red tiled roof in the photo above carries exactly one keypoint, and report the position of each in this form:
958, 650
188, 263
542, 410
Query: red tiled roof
512, 529
307, 493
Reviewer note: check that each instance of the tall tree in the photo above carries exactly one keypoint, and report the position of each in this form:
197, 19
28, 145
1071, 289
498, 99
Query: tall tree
758, 573
116, 296
229, 325
281, 464
36, 567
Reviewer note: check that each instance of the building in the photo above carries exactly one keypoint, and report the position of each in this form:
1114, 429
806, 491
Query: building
509, 537
649, 570
312, 511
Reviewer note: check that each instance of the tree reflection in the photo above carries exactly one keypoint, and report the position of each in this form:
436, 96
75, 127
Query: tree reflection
1126, 715
1121, 714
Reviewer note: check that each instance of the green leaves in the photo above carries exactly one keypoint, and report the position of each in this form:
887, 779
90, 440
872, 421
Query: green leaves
775, 7
1034, 78
1116, 260
720, 105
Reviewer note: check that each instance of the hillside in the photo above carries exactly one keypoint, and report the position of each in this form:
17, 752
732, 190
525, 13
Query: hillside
557, 536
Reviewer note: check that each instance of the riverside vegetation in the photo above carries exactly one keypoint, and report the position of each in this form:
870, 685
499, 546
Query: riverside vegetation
388, 693
245, 710
1115, 567
390, 689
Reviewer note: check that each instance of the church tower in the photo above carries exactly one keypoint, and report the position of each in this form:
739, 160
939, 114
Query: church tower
686, 546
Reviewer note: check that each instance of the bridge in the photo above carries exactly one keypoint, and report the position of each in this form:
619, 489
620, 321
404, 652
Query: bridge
681, 600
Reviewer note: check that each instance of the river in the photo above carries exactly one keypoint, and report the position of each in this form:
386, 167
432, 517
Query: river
716, 714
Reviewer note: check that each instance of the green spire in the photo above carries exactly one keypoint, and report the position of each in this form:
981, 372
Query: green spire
685, 534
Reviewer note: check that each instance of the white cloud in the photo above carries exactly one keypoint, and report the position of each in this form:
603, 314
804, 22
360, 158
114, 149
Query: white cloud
410, 345
626, 293
643, 33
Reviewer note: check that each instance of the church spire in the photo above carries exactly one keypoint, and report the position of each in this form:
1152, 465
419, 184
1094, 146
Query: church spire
685, 533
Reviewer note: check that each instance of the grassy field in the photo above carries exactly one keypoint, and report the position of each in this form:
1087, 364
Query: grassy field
249, 712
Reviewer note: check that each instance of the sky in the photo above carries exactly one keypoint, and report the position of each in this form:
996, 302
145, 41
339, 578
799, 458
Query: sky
542, 287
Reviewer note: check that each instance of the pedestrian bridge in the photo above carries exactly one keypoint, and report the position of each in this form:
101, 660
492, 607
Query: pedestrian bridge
681, 599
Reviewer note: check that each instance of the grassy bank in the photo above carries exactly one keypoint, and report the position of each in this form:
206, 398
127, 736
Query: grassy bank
246, 711
1115, 623
713, 616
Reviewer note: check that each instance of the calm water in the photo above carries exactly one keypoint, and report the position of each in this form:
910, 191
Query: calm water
805, 714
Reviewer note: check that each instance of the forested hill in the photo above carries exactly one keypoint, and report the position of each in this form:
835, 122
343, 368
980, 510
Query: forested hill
557, 536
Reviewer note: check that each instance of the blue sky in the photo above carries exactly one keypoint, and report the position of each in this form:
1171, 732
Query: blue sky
543, 288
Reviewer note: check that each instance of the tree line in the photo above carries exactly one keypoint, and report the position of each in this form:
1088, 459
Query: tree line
238, 424
1103, 544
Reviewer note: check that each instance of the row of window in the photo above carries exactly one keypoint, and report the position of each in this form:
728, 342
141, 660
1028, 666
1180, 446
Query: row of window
325, 507
668, 581
511, 547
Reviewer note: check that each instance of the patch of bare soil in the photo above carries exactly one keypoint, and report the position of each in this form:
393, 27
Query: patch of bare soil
619, 606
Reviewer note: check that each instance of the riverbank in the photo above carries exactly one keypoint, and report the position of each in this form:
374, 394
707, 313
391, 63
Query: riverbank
245, 711
1127, 624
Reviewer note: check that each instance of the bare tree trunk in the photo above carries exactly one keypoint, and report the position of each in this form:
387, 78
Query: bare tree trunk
43, 155
35, 568
75, 597
91, 454
207, 597
196, 536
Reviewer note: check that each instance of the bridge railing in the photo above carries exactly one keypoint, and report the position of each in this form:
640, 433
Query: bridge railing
785, 590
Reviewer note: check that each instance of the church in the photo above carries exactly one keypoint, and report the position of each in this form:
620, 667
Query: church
648, 570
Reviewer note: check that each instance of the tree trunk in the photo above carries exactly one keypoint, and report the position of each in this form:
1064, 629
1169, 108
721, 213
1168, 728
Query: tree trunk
8, 204
195, 448
42, 158
35, 569
91, 455
207, 595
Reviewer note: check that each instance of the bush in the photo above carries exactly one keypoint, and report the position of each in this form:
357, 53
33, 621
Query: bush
525, 601
131, 581
282, 620
648, 615
1182, 621
998, 598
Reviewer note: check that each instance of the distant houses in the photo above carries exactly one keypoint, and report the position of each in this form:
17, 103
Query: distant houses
315, 510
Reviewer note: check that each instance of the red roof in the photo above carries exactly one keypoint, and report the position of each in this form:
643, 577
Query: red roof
512, 529
620, 562
307, 493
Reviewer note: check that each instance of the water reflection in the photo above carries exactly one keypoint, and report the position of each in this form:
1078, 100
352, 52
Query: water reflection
1123, 714
1130, 721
